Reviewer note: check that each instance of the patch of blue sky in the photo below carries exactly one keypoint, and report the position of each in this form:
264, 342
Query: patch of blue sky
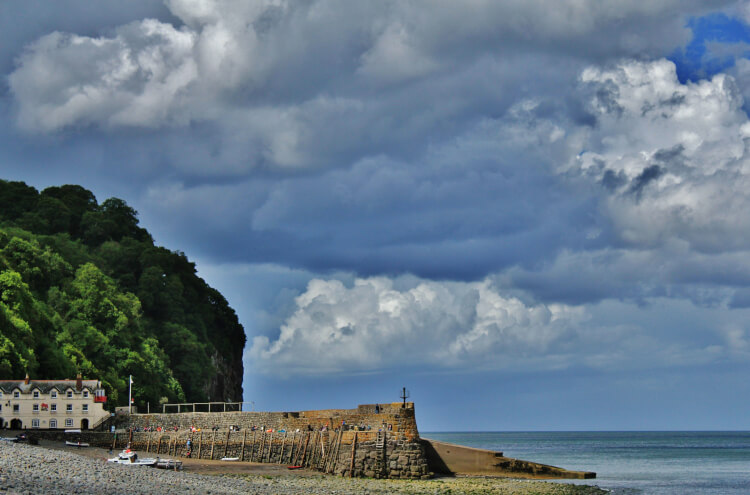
718, 40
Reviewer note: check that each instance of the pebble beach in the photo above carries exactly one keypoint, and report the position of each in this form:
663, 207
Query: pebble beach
26, 469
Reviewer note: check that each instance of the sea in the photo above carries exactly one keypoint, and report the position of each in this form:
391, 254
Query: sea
631, 462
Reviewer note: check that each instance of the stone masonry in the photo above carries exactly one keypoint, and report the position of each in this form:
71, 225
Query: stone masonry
348, 442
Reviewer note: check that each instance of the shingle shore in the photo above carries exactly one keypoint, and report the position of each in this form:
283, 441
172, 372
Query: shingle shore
40, 471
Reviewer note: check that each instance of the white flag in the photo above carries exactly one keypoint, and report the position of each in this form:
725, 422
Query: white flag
131, 379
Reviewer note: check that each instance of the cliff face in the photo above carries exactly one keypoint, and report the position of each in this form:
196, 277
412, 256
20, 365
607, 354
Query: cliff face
84, 289
227, 382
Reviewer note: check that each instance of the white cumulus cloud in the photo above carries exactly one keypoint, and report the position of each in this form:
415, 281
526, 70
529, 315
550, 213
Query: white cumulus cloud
379, 323
137, 77
674, 156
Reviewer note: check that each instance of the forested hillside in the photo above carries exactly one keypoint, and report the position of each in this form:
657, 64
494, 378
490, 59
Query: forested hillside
84, 288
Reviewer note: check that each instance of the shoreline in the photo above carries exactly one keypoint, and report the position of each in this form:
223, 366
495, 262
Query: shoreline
53, 468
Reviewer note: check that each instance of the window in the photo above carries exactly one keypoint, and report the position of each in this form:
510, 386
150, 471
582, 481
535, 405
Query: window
36, 394
53, 423
85, 408
16, 408
35, 423
53, 407
35, 408
53, 394
69, 422
85, 394
16, 394
1, 394
70, 394
69, 408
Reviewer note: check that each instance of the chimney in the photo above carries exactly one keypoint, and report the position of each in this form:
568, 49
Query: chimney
26, 380
79, 382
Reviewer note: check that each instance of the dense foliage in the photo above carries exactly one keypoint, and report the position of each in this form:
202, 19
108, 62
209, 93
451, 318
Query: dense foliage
84, 289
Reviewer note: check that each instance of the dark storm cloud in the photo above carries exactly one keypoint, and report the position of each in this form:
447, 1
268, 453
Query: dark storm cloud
507, 148
647, 175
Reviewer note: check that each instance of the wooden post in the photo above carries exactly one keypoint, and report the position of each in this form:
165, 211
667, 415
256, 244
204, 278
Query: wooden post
226, 444
281, 454
331, 443
270, 446
314, 449
148, 443
331, 452
252, 447
158, 447
200, 444
309, 453
304, 451
262, 444
336, 455
300, 449
322, 458
338, 449
316, 454
331, 446
213, 443
295, 450
244, 437
354, 449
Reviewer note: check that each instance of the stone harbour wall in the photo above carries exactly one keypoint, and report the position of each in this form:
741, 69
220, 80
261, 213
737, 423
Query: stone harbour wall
373, 440
370, 454
392, 417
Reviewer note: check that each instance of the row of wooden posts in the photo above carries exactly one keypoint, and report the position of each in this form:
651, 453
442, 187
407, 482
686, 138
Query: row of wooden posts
308, 449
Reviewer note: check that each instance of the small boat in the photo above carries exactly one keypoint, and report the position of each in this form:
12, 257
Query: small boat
294, 467
76, 444
168, 464
230, 458
77, 430
130, 458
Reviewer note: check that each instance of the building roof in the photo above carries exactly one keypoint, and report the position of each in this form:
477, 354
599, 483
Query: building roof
46, 386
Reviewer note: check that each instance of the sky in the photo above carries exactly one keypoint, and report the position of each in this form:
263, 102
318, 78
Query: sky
533, 215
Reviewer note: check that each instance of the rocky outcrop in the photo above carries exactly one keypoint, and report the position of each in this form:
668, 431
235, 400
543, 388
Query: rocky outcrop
226, 383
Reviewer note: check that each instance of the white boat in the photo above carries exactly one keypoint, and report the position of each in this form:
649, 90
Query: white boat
169, 464
130, 458
76, 444
230, 458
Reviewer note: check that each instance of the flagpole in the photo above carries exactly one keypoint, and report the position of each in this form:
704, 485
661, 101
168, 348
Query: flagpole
130, 394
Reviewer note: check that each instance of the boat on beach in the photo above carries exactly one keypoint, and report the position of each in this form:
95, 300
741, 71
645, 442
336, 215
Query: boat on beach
131, 458
168, 464
76, 444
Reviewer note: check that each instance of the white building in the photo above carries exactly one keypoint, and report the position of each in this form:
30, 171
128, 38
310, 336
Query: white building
52, 404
